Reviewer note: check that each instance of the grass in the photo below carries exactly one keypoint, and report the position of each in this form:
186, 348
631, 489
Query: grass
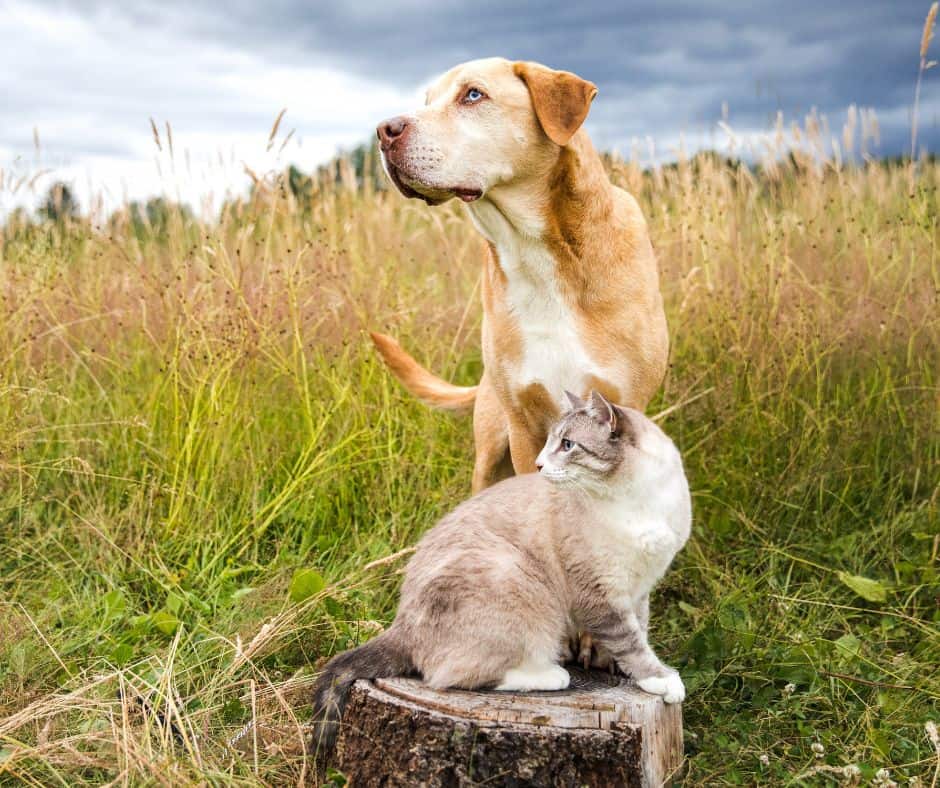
207, 480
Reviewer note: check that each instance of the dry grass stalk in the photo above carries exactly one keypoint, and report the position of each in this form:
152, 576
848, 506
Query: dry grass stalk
925, 39
274, 128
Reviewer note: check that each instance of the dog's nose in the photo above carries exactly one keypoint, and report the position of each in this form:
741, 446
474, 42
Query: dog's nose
539, 466
392, 129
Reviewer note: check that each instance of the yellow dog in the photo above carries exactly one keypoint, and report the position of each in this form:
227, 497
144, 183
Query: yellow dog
570, 284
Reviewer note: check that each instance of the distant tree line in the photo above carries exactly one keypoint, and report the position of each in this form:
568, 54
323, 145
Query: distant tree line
145, 219
363, 162
151, 219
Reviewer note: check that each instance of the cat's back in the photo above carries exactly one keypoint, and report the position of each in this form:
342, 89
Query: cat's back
507, 506
512, 514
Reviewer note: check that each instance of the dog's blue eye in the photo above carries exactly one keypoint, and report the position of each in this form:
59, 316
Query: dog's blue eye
566, 444
473, 95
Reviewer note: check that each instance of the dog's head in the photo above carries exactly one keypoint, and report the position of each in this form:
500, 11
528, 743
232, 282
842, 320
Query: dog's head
484, 123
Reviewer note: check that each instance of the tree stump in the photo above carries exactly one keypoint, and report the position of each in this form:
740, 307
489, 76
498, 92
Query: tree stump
602, 731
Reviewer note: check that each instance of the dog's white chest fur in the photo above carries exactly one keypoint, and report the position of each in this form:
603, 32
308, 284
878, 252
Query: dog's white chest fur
553, 352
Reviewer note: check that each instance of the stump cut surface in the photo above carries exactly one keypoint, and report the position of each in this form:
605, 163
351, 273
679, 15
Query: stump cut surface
601, 731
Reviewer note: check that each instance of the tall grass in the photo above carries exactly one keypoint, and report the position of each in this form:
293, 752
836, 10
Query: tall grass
207, 482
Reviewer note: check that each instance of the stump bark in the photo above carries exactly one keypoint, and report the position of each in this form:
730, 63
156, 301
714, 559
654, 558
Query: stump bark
602, 731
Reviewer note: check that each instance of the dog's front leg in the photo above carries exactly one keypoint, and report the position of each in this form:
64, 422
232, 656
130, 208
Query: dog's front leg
524, 447
491, 438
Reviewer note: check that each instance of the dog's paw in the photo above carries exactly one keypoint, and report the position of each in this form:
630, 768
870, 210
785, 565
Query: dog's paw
669, 687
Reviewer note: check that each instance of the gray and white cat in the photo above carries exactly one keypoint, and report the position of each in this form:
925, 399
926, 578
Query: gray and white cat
496, 588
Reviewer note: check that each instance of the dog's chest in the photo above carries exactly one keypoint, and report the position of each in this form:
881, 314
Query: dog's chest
554, 354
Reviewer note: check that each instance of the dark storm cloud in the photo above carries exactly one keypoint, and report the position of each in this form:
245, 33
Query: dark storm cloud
662, 67
88, 74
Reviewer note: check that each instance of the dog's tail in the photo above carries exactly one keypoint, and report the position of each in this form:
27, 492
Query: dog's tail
425, 386
381, 657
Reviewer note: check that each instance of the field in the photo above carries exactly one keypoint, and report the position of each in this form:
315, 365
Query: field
207, 481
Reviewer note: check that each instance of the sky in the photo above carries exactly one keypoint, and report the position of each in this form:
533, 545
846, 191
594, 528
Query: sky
84, 78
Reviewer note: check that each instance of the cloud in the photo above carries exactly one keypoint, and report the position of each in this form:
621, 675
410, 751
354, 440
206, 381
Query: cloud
89, 74
89, 82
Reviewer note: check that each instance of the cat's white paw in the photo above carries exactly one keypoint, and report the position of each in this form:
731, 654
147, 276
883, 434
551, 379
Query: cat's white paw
548, 678
669, 687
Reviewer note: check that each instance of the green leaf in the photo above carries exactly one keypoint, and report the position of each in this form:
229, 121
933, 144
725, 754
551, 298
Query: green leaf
866, 588
122, 654
114, 604
689, 610
165, 622
733, 617
19, 660
880, 742
174, 602
334, 608
240, 592
305, 583
849, 645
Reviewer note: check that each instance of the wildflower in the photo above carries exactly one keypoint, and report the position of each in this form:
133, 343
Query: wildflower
818, 750
931, 727
789, 689
851, 772
883, 778
764, 759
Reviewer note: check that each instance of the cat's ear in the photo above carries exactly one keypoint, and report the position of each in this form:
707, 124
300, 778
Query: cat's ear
574, 400
605, 412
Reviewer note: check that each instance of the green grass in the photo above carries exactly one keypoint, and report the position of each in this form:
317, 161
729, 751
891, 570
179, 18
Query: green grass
194, 433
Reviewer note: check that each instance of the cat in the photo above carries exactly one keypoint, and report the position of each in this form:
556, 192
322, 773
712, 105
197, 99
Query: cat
496, 589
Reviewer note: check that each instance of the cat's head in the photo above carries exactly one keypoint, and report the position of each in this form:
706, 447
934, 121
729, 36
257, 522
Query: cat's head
596, 445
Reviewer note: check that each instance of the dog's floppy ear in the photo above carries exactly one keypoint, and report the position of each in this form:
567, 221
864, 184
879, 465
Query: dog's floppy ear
561, 99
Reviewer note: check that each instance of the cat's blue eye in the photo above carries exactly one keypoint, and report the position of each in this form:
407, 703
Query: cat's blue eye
472, 96
566, 444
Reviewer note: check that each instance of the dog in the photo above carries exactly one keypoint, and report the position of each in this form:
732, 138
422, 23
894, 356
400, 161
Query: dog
570, 285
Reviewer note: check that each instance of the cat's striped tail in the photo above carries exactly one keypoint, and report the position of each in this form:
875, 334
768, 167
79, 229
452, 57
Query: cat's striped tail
424, 385
382, 657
